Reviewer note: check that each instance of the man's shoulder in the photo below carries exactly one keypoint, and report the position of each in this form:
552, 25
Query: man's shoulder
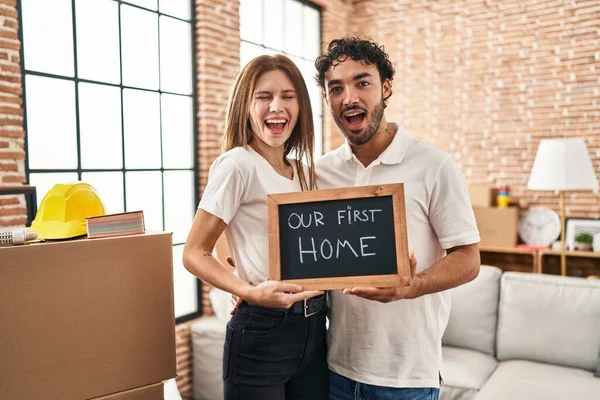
421, 152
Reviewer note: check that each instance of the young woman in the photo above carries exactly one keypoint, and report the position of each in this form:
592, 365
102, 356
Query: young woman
275, 343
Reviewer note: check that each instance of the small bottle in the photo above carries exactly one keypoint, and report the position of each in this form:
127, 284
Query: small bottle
16, 236
503, 197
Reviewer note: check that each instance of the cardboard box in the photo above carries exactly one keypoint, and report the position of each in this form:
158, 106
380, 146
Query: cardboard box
482, 195
86, 318
150, 392
497, 226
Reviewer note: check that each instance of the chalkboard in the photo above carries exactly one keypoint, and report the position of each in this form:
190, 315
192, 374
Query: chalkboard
339, 238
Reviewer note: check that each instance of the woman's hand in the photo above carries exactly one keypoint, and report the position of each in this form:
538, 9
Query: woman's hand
277, 294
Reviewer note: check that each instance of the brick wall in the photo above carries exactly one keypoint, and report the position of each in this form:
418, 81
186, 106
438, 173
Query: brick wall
486, 80
12, 154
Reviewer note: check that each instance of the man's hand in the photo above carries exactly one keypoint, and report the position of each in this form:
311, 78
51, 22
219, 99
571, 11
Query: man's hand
388, 294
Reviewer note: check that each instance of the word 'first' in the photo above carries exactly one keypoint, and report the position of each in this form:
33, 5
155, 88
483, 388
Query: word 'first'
347, 216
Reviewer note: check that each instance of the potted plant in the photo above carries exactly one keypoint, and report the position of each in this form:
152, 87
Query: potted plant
583, 241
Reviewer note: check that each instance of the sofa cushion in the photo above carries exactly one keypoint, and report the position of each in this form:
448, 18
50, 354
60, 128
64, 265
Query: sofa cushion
528, 380
464, 372
473, 314
598, 366
208, 337
548, 318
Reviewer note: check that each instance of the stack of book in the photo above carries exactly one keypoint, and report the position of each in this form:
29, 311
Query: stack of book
127, 223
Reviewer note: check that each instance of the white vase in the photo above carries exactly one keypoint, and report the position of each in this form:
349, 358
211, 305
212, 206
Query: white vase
583, 246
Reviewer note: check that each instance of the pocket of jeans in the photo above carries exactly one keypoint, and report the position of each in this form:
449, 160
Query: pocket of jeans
257, 324
227, 350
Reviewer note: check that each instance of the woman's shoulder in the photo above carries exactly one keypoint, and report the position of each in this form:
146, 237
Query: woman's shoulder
238, 157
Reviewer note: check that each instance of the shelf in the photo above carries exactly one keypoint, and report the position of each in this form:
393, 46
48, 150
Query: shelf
570, 253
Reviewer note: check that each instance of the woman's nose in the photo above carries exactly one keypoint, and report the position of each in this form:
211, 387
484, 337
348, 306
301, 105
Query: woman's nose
275, 105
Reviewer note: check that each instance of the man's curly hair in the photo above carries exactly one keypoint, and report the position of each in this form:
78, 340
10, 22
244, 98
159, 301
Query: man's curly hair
366, 51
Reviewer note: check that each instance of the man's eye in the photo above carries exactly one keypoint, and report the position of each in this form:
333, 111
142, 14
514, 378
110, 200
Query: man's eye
336, 89
363, 83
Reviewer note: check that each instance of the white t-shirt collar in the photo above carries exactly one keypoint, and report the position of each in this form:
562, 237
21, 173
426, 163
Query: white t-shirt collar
393, 154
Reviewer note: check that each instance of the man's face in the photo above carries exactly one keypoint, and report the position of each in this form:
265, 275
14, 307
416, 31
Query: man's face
354, 94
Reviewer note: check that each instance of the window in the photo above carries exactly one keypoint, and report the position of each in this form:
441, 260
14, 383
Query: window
290, 27
109, 100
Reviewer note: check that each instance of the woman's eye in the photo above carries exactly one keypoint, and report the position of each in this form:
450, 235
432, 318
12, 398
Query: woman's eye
288, 97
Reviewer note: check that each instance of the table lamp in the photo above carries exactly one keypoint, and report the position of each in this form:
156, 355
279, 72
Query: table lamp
562, 165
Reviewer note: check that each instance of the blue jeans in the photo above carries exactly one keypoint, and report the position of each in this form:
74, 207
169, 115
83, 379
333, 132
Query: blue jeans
342, 388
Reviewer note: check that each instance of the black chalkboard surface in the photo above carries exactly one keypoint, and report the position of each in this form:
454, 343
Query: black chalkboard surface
339, 238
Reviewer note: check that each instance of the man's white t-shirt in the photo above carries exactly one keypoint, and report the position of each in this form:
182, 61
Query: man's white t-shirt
238, 184
398, 344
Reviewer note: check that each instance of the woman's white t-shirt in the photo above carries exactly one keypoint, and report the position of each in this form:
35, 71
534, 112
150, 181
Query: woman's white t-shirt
238, 184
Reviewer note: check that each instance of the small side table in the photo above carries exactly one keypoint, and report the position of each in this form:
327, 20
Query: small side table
30, 198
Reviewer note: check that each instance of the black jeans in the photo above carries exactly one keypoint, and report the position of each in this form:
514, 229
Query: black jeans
275, 355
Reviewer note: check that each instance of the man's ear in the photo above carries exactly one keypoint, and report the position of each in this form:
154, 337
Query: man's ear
387, 89
324, 94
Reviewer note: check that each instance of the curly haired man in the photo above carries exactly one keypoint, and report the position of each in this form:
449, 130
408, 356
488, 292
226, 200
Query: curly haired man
385, 343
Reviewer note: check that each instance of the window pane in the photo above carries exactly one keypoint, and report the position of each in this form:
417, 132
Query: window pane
48, 36
109, 186
176, 8
179, 203
50, 123
149, 4
175, 56
139, 46
274, 27
45, 182
100, 126
318, 121
248, 51
312, 35
293, 27
177, 131
142, 129
314, 92
98, 40
186, 292
251, 21
144, 192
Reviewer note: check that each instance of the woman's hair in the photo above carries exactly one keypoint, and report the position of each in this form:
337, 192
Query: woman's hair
238, 127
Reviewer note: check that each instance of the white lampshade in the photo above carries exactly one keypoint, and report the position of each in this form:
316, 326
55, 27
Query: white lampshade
562, 164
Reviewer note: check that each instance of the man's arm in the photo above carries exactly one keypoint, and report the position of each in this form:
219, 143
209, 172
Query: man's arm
459, 266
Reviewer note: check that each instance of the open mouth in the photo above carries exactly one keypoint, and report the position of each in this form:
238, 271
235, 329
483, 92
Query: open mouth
355, 118
276, 125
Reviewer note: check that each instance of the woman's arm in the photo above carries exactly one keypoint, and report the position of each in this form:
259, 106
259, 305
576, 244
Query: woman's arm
199, 260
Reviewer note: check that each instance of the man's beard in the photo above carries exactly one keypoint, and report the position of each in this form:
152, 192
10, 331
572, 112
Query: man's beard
371, 128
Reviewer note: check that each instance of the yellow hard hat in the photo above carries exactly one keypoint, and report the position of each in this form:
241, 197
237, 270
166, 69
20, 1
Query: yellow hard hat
63, 211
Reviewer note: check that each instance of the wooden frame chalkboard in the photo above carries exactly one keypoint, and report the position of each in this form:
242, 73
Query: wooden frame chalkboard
331, 212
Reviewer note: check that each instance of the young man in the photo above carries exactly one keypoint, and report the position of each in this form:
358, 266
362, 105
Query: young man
385, 343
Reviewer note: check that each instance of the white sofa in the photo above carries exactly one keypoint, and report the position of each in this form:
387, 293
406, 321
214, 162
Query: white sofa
511, 336
516, 336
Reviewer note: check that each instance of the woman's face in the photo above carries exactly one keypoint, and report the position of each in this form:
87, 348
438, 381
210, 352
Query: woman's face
274, 108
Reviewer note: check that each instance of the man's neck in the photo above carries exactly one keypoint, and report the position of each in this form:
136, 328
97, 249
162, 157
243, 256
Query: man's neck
368, 152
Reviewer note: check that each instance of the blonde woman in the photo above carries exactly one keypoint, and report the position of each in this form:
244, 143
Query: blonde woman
275, 344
